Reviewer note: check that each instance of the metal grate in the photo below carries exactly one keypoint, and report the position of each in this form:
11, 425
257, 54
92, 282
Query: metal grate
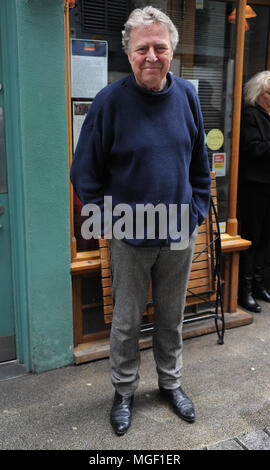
104, 16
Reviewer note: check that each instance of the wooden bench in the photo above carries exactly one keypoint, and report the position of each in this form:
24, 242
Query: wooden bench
204, 284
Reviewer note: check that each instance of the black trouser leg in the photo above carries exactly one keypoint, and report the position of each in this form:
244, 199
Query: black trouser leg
254, 207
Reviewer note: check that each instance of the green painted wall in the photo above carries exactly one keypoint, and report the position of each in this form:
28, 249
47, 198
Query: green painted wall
44, 154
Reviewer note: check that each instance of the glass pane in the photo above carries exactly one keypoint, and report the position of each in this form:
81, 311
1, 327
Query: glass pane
206, 55
92, 306
256, 42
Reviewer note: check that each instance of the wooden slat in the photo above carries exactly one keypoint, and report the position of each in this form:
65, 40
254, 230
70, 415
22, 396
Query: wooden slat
108, 318
108, 309
199, 290
198, 265
201, 281
107, 290
198, 273
107, 300
105, 272
199, 257
106, 282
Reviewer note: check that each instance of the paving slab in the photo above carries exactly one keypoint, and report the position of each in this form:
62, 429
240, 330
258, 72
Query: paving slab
229, 444
255, 440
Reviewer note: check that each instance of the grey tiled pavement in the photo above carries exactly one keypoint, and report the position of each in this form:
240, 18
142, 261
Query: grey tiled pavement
68, 408
255, 440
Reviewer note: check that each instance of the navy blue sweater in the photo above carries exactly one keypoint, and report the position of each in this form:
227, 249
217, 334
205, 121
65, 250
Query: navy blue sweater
144, 147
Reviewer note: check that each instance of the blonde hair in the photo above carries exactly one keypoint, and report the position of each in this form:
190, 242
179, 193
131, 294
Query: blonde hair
145, 17
256, 86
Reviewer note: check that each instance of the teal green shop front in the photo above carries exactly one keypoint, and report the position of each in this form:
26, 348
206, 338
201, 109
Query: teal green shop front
36, 325
51, 304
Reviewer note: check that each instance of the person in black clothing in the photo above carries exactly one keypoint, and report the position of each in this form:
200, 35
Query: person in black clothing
254, 189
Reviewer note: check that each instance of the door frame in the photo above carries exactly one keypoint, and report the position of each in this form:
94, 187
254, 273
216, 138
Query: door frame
9, 52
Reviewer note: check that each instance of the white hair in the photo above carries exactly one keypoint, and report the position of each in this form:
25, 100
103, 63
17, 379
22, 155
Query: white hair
145, 17
256, 86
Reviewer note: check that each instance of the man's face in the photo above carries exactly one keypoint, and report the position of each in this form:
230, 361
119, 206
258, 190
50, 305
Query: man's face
264, 100
150, 55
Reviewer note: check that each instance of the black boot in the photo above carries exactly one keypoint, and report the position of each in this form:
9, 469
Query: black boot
259, 290
246, 298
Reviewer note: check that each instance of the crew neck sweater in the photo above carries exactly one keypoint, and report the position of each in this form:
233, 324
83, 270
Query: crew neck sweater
140, 147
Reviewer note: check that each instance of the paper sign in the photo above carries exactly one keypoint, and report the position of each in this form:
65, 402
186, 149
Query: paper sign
222, 227
219, 164
89, 67
214, 139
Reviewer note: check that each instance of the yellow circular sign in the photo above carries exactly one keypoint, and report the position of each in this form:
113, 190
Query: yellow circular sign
214, 139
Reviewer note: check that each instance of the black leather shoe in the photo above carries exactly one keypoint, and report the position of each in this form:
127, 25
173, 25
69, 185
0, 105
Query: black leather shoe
182, 405
121, 413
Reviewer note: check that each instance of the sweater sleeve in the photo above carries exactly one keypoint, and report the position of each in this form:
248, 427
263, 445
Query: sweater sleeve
87, 167
199, 173
253, 146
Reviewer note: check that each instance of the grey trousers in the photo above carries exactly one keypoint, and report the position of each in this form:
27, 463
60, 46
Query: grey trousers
132, 269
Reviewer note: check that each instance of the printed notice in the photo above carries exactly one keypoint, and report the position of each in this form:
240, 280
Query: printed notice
89, 67
222, 227
219, 164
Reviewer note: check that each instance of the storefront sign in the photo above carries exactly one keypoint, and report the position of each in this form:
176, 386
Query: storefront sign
219, 164
214, 139
89, 67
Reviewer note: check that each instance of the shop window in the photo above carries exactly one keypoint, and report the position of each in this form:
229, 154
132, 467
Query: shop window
205, 55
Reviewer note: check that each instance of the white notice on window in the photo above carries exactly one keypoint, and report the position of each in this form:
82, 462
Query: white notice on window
89, 67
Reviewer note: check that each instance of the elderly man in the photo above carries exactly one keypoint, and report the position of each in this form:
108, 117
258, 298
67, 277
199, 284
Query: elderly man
143, 142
